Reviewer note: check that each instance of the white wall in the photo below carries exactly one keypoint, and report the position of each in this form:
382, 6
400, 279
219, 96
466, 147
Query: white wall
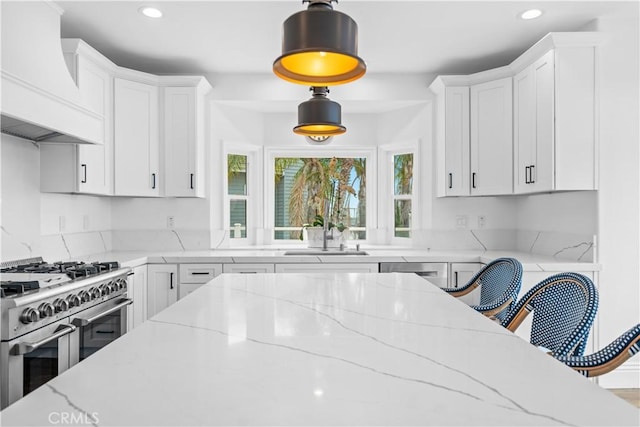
618, 197
20, 198
31, 220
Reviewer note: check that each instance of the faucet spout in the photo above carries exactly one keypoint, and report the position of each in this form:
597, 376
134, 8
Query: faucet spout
325, 227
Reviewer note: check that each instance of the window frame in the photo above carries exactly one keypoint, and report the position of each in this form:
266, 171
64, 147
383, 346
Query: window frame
252, 196
387, 170
369, 153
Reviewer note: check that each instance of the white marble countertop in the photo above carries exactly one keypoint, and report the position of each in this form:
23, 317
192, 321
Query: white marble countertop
321, 349
377, 254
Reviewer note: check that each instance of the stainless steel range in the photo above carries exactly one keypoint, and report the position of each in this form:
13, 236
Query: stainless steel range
53, 316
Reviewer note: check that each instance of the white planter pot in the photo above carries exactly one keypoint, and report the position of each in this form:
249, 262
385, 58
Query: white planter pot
314, 237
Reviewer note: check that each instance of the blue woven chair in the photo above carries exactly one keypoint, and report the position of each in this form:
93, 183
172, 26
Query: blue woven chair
606, 360
564, 307
499, 282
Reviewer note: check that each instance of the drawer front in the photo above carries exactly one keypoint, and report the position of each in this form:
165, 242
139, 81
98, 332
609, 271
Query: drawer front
199, 273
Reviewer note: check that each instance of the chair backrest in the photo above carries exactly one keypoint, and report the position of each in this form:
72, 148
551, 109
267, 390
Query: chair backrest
564, 307
500, 283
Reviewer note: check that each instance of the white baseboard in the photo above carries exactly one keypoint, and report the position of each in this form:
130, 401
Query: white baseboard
625, 376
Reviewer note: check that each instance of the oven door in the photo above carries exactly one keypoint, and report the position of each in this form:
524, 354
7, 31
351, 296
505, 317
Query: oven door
33, 359
100, 325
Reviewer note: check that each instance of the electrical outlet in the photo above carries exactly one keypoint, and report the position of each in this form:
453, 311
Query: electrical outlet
62, 223
171, 222
461, 221
482, 221
85, 222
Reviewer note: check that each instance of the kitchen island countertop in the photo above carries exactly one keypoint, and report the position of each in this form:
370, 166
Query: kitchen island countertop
321, 349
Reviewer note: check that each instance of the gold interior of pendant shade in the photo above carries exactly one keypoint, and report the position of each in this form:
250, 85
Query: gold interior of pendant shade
328, 68
319, 129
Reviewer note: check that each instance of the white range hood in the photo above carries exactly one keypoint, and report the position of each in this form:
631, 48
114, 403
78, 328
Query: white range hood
40, 101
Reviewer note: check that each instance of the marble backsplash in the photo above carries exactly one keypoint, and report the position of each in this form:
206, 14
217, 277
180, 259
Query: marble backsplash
57, 247
561, 246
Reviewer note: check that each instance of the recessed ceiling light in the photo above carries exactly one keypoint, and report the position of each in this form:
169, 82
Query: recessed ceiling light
150, 12
531, 14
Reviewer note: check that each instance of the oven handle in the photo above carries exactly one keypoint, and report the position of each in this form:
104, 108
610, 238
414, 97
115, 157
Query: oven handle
28, 347
79, 321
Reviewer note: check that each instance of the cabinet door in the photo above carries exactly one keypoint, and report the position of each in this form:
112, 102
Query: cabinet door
534, 124
183, 143
460, 274
491, 138
327, 268
523, 129
456, 135
248, 268
137, 291
136, 139
94, 161
543, 166
162, 287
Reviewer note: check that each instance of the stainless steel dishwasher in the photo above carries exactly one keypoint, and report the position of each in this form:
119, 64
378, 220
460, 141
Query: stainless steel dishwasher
435, 272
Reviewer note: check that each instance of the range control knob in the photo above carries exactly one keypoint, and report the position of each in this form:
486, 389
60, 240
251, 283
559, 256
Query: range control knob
84, 296
74, 300
95, 293
29, 315
122, 283
105, 289
46, 310
60, 305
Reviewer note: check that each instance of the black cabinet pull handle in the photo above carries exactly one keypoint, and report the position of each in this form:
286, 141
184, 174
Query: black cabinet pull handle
450, 180
194, 273
84, 173
473, 180
455, 273
170, 280
192, 181
526, 174
153, 178
531, 179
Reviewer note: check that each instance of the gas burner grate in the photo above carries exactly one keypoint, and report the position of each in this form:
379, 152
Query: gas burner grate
18, 288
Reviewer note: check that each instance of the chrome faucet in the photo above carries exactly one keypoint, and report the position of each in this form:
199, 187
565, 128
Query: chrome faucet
325, 226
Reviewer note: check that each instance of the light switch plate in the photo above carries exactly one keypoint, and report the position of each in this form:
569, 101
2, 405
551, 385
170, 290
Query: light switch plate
461, 221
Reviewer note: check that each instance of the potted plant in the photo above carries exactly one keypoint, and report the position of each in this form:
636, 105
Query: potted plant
337, 233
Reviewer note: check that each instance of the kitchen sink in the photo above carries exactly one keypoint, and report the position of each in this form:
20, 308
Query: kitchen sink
320, 252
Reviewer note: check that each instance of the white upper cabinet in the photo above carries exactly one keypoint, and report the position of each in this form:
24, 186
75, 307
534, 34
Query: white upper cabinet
137, 143
452, 125
491, 137
554, 122
83, 168
183, 138
528, 127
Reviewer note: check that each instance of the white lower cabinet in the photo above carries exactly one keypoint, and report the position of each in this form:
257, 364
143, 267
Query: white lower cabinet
162, 287
137, 291
327, 268
248, 268
192, 276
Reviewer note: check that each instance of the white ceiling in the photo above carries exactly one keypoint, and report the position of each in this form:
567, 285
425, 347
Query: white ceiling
212, 37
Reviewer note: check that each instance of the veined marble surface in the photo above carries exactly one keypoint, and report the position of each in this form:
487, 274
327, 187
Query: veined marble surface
321, 349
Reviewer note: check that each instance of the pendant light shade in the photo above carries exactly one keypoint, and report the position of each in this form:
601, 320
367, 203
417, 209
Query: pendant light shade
319, 47
319, 116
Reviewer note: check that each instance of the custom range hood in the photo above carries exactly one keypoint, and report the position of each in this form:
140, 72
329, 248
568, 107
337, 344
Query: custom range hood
40, 101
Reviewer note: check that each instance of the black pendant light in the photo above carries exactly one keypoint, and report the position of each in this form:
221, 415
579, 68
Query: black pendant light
319, 116
319, 47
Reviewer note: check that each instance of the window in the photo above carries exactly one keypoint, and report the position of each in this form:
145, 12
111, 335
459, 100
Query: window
305, 186
402, 194
237, 195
